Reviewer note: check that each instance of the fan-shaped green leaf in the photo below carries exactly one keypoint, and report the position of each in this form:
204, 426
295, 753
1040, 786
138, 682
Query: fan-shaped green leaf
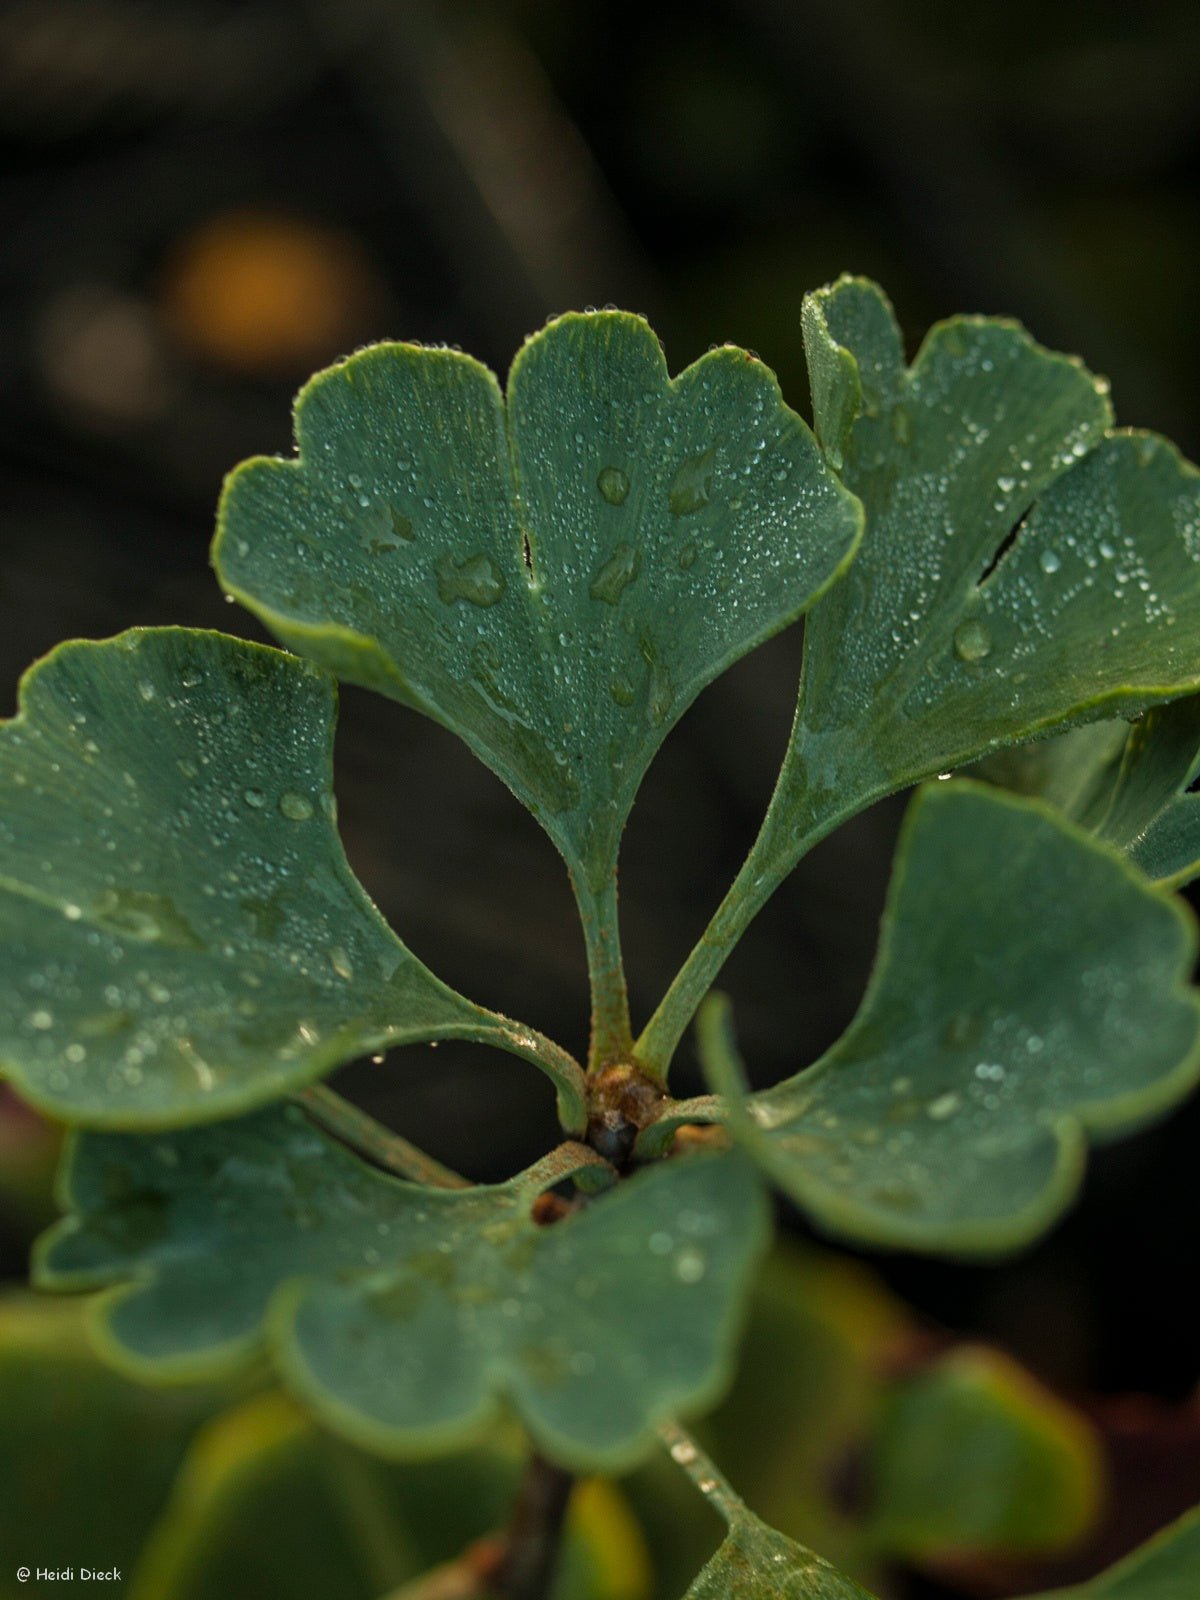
1020, 569
1030, 989
760, 1564
87, 1457
1166, 1567
405, 1313
1073, 771
1132, 785
971, 1454
820, 1332
555, 584
345, 1525
1152, 814
184, 937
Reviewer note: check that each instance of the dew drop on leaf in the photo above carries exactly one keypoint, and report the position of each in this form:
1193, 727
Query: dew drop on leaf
613, 484
475, 579
617, 573
944, 1106
690, 1265
691, 487
295, 807
622, 690
972, 641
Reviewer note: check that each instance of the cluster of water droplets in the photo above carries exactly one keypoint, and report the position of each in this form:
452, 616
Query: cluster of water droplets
170, 808
563, 619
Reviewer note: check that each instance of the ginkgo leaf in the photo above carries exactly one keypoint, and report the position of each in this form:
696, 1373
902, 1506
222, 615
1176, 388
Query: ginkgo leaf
1152, 813
405, 1314
1166, 1567
760, 1564
1073, 771
1030, 991
972, 1454
183, 935
346, 1525
756, 1562
555, 581
1131, 785
1021, 569
77, 1435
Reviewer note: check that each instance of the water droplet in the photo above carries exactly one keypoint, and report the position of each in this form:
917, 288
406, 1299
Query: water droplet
683, 1452
622, 690
386, 532
141, 914
944, 1106
1049, 561
476, 579
613, 484
617, 573
690, 1265
255, 798
1006, 485
147, 690
295, 807
340, 962
972, 641
691, 487
41, 1020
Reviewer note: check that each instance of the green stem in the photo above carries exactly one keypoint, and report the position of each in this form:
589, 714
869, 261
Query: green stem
656, 1137
562, 1069
579, 1162
794, 823
612, 1037
371, 1139
759, 877
699, 1466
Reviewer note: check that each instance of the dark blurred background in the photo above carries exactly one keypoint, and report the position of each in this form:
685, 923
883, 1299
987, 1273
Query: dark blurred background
202, 201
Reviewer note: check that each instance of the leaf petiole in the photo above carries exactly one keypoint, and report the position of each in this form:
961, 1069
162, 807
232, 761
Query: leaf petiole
371, 1139
700, 1468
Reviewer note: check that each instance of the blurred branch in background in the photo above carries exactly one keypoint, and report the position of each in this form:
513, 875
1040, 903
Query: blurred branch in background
67, 65
503, 180
953, 187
